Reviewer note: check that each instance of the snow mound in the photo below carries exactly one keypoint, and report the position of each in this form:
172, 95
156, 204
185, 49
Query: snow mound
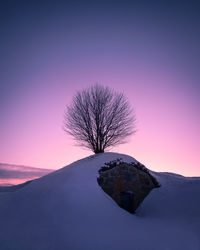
67, 209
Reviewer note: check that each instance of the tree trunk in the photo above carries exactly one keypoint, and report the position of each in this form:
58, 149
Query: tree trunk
99, 151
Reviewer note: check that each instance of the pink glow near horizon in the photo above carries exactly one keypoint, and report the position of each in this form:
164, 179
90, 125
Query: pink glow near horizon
166, 139
153, 62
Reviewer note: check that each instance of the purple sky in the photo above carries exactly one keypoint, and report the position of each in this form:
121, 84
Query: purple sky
15, 174
148, 49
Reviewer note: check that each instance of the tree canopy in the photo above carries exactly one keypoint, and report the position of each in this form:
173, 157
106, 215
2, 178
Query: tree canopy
99, 118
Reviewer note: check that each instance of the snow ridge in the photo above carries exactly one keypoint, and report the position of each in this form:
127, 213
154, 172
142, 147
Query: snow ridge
67, 209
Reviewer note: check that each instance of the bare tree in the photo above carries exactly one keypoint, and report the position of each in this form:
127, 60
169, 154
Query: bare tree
99, 118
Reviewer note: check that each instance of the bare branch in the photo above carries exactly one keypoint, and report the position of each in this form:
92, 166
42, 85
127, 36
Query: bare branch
99, 118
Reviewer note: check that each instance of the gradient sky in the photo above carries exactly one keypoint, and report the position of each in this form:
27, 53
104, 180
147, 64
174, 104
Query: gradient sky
14, 174
148, 49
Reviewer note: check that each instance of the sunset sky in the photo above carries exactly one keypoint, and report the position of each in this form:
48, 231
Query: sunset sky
147, 49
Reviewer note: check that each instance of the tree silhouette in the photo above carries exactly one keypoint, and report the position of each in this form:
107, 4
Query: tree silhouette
99, 118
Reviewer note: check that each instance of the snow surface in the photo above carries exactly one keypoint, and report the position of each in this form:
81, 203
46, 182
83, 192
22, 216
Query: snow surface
67, 210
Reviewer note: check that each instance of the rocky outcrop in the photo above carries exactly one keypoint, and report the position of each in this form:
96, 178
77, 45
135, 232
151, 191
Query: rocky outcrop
127, 183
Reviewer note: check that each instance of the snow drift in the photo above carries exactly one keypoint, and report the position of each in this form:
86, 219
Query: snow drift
67, 209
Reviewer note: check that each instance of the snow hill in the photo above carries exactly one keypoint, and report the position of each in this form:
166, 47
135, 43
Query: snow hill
67, 210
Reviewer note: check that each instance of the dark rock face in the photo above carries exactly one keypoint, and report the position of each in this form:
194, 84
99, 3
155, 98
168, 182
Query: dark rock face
127, 183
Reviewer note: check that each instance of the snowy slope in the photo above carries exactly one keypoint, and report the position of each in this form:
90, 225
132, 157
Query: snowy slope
67, 210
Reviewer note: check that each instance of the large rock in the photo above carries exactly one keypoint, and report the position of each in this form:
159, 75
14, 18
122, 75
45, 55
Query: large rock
127, 183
